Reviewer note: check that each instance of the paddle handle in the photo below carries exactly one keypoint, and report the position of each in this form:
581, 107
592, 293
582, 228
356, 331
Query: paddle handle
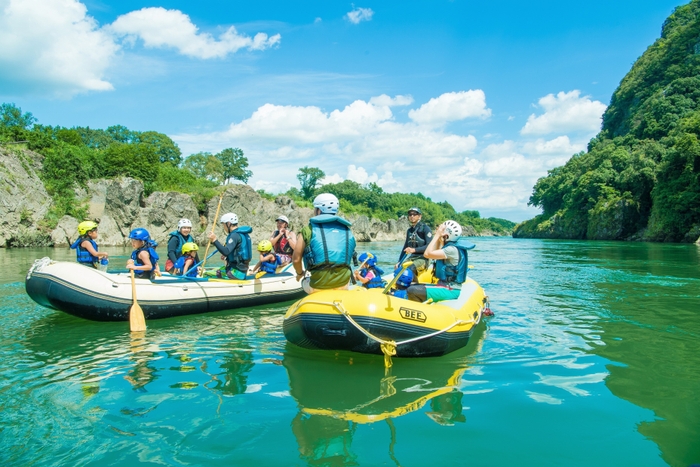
133, 287
216, 216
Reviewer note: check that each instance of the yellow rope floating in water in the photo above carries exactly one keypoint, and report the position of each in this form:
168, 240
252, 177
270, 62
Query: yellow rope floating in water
389, 350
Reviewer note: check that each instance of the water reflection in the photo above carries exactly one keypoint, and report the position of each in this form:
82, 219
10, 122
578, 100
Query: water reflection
337, 391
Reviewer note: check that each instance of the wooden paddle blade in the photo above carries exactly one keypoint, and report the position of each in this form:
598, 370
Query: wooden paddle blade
137, 321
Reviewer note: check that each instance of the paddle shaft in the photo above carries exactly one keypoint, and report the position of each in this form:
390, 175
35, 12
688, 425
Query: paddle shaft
404, 266
137, 321
216, 216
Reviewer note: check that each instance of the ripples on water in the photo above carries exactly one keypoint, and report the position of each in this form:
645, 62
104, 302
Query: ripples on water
592, 359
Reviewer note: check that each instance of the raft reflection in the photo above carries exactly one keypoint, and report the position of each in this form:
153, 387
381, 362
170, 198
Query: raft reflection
337, 391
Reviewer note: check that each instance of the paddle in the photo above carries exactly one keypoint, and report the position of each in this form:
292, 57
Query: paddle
216, 216
137, 321
404, 266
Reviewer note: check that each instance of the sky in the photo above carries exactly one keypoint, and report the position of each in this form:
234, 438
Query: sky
465, 101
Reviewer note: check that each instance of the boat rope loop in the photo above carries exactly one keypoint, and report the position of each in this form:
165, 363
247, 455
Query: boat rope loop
388, 347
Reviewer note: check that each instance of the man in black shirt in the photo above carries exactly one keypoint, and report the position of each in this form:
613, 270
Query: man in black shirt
418, 236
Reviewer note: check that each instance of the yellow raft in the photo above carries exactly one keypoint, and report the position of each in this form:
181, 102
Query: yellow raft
368, 321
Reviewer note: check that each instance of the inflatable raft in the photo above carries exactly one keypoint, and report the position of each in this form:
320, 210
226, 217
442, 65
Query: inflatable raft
365, 320
101, 296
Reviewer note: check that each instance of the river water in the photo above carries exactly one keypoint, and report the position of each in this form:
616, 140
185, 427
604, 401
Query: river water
592, 358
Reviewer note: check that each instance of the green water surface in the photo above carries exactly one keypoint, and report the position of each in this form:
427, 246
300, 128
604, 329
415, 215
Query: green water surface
592, 359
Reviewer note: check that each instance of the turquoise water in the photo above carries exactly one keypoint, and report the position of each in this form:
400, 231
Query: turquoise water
592, 358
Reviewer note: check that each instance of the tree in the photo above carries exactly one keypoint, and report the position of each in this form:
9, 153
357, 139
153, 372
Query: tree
167, 150
234, 164
12, 116
204, 165
122, 134
308, 179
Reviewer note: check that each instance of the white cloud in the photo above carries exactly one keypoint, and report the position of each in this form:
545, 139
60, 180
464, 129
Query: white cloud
158, 27
558, 146
452, 106
358, 15
52, 45
387, 101
565, 112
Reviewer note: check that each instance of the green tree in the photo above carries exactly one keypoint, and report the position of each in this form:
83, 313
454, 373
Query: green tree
12, 116
234, 165
168, 152
308, 179
204, 165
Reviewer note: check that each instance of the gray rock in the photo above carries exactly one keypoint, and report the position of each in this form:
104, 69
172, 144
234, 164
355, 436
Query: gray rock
24, 201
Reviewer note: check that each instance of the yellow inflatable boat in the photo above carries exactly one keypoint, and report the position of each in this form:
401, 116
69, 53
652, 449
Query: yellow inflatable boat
369, 321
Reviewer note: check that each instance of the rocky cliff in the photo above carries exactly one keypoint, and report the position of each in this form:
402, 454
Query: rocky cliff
120, 205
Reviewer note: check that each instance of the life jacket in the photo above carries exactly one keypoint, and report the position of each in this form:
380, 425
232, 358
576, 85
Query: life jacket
82, 255
450, 273
269, 267
240, 257
152, 255
181, 240
414, 240
400, 293
377, 281
180, 265
331, 244
282, 246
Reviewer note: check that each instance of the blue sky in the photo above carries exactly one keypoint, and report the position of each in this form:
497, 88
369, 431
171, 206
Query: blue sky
465, 101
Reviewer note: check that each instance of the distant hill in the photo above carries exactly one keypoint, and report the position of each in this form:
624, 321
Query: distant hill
640, 178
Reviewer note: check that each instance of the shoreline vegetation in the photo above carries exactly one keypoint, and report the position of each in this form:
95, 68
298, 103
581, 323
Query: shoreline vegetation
640, 177
51, 174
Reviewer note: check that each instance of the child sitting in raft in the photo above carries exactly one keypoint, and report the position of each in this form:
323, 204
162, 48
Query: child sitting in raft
85, 246
402, 283
183, 265
144, 259
369, 274
268, 260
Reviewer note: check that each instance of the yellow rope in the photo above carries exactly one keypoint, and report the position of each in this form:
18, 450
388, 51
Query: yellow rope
389, 350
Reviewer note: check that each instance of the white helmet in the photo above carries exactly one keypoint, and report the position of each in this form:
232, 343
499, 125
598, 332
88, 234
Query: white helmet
327, 203
453, 230
184, 223
229, 218
283, 219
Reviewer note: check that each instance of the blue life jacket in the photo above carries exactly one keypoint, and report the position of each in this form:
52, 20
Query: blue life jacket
269, 266
240, 257
454, 274
82, 255
377, 281
152, 255
180, 265
331, 244
180, 240
398, 293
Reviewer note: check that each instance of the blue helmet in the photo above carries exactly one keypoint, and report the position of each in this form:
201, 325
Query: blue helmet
140, 234
405, 278
369, 258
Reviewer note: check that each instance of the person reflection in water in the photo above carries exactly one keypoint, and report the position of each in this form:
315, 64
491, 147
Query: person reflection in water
324, 440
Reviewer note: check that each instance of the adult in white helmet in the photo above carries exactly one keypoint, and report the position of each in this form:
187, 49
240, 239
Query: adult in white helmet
176, 241
326, 246
238, 249
283, 240
451, 264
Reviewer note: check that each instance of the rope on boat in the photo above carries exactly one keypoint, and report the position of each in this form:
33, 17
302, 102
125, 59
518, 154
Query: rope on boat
388, 347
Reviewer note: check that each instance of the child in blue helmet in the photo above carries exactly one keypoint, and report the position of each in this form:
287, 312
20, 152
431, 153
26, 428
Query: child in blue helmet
369, 274
144, 259
402, 283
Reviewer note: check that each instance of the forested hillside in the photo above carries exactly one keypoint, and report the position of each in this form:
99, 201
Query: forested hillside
640, 178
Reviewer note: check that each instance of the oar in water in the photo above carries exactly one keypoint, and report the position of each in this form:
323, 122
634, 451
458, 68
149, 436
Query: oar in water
137, 321
404, 266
